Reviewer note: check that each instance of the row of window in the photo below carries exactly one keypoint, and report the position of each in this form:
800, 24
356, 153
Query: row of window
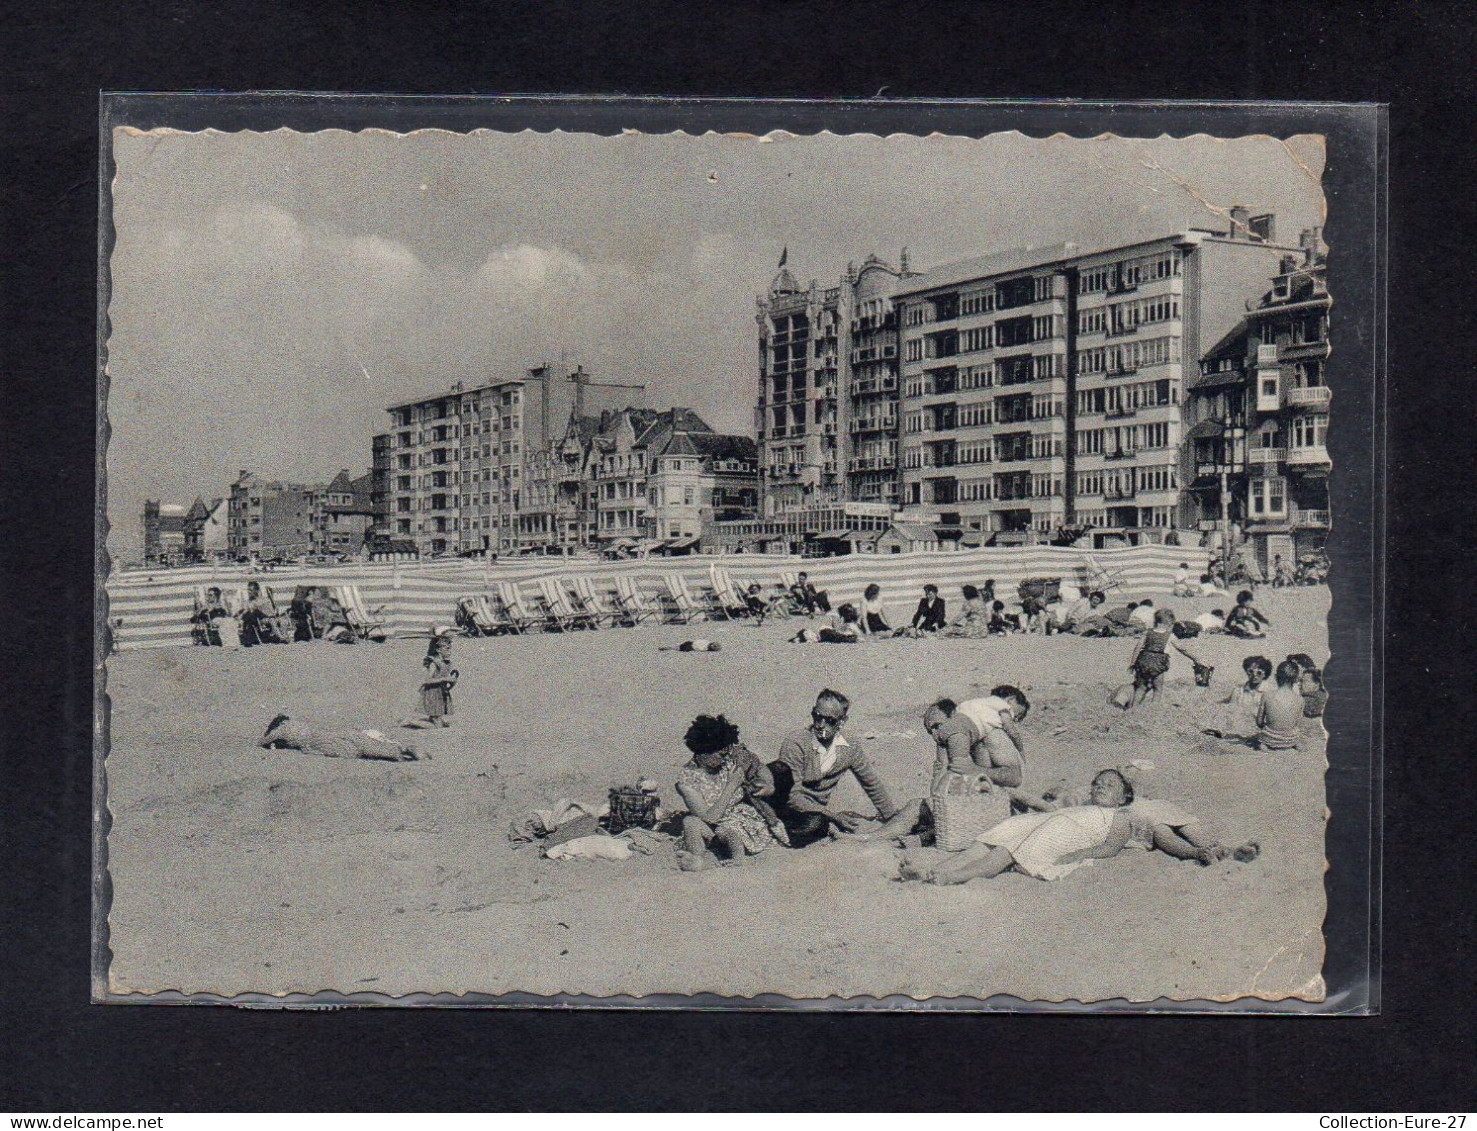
1126, 398
1128, 356
1163, 477
441, 410
1124, 439
1116, 276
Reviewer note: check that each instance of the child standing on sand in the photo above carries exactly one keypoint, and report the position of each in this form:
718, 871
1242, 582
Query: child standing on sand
436, 706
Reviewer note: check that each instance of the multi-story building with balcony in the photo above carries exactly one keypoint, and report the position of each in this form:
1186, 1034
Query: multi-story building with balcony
667, 477
457, 462
271, 519
1260, 412
826, 418
1042, 388
381, 473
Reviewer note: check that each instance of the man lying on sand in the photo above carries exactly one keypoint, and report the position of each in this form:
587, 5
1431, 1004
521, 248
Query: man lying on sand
811, 764
285, 733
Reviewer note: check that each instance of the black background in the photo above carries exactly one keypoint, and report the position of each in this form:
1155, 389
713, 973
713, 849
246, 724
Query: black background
62, 1053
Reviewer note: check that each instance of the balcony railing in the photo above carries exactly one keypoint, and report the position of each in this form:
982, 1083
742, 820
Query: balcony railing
1119, 492
1312, 518
1307, 456
1266, 456
1122, 331
874, 424
1314, 396
1120, 413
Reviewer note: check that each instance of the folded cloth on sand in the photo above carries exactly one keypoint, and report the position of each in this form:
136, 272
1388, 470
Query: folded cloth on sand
591, 848
573, 830
1038, 841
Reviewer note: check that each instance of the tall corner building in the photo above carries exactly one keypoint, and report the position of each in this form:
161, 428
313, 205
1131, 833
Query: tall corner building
826, 420
456, 462
1042, 387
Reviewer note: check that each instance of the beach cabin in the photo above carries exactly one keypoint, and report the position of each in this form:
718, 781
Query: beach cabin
907, 538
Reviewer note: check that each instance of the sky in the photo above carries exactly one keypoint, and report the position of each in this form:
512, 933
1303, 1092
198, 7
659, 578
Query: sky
273, 292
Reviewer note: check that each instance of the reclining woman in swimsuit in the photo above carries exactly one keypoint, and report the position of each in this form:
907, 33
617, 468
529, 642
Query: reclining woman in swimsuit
1046, 845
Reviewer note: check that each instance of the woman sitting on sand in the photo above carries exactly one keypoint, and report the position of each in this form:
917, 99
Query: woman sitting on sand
1240, 712
973, 622
724, 786
1046, 845
874, 616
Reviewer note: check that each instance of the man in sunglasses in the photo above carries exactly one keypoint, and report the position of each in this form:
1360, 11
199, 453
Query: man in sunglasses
811, 764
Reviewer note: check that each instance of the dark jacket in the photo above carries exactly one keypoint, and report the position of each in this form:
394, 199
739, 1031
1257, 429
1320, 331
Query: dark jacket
930, 618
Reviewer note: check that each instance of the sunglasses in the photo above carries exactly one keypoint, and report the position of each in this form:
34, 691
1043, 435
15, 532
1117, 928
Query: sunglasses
834, 720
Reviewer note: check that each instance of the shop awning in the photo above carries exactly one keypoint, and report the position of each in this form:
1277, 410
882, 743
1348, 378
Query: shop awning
835, 534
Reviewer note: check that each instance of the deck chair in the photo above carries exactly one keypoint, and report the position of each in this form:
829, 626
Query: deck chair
477, 615
551, 601
634, 602
507, 602
1097, 577
730, 600
677, 604
704, 597
365, 623
581, 614
603, 606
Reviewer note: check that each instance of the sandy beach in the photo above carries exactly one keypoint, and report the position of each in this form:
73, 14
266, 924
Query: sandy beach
239, 869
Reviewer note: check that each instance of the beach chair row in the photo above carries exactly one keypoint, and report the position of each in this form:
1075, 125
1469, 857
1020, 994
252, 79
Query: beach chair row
565, 604
338, 607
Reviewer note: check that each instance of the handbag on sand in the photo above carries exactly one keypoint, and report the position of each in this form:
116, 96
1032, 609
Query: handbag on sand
965, 807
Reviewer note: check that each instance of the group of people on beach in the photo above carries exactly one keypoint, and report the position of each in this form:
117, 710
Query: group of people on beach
255, 618
738, 806
985, 615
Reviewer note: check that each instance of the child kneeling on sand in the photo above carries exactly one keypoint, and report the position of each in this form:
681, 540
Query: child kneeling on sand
724, 787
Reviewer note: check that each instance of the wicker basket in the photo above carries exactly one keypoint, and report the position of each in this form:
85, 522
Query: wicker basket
966, 807
632, 809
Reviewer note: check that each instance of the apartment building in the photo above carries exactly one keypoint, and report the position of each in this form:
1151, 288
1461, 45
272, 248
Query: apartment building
456, 462
1043, 387
1257, 445
826, 418
271, 519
